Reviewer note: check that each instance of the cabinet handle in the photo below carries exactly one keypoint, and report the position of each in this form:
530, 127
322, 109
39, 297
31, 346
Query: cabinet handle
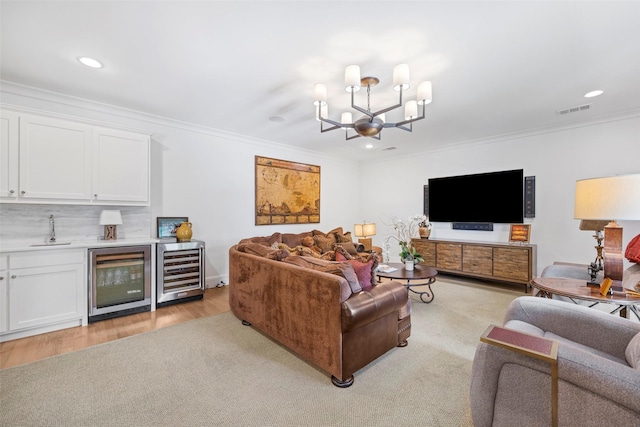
13, 276
1, 278
11, 191
95, 196
23, 192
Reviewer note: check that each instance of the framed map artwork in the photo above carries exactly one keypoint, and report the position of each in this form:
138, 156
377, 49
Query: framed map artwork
286, 192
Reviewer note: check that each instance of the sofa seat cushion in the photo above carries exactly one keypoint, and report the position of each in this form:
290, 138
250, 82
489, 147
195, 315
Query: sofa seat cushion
331, 267
364, 307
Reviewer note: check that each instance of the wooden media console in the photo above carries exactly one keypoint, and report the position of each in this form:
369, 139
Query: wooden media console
482, 260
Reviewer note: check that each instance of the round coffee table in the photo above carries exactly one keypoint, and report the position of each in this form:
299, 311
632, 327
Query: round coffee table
419, 272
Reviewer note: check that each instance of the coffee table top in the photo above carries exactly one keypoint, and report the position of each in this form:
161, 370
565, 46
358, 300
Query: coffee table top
420, 272
574, 288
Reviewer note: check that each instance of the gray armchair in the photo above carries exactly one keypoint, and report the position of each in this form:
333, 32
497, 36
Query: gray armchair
598, 369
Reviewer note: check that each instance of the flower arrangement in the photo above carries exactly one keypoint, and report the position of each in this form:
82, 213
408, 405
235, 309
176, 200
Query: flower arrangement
404, 232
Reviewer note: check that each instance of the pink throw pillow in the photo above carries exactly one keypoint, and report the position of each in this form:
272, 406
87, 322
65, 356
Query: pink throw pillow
363, 270
633, 250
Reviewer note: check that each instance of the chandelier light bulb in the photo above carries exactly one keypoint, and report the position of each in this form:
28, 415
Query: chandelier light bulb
320, 94
352, 78
401, 77
425, 93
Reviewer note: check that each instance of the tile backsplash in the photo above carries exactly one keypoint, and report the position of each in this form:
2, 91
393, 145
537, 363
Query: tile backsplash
22, 222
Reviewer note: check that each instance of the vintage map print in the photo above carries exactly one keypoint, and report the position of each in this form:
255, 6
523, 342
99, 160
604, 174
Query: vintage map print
286, 192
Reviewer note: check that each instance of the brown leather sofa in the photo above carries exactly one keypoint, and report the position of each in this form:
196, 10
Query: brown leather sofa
309, 306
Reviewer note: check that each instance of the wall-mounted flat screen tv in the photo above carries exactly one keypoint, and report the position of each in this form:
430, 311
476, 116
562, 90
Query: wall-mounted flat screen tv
495, 197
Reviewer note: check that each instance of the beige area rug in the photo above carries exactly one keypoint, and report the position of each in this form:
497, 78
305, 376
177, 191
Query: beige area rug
216, 372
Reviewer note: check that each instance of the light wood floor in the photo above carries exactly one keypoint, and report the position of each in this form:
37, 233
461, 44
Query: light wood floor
25, 350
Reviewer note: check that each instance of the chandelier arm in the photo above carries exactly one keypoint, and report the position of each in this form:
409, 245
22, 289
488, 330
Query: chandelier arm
348, 138
393, 107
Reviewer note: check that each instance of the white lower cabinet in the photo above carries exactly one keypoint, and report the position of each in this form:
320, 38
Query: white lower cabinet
43, 291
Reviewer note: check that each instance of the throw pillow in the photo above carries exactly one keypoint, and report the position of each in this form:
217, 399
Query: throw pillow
632, 253
339, 248
633, 352
325, 243
350, 247
278, 254
340, 269
364, 270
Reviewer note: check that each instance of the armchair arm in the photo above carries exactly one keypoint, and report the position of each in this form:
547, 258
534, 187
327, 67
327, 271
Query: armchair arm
577, 369
586, 326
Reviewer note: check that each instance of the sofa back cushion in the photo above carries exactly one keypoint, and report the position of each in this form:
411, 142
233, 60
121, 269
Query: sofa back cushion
292, 240
338, 268
260, 250
632, 353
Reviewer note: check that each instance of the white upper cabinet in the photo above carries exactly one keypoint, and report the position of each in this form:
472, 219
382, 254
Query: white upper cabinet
120, 166
50, 160
55, 159
8, 154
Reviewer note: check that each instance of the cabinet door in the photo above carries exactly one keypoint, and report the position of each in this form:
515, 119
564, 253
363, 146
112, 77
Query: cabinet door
45, 295
427, 249
120, 166
477, 259
449, 256
8, 154
4, 301
511, 263
55, 159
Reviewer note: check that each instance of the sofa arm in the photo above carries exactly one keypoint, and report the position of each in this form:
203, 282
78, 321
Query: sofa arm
366, 306
587, 326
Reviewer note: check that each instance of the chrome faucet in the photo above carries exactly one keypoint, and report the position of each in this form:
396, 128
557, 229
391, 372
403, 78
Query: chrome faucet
52, 230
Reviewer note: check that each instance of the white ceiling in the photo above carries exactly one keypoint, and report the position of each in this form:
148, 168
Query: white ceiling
497, 67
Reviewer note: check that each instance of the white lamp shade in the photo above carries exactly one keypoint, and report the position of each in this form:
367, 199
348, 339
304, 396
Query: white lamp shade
319, 94
364, 230
352, 78
411, 110
110, 217
610, 198
425, 93
401, 77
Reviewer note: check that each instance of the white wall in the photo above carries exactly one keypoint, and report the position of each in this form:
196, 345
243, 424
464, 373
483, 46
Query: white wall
206, 175
557, 159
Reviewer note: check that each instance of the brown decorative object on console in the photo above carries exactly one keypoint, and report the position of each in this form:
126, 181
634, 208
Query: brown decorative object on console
598, 227
610, 198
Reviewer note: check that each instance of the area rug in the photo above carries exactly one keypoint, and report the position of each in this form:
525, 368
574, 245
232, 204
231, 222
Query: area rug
216, 372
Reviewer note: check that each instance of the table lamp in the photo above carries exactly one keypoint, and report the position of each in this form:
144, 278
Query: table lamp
609, 198
110, 219
364, 231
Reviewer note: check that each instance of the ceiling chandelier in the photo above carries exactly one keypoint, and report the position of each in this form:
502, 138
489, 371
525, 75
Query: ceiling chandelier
372, 123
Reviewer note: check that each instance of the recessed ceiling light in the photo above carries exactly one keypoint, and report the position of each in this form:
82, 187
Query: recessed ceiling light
90, 62
276, 119
368, 146
594, 93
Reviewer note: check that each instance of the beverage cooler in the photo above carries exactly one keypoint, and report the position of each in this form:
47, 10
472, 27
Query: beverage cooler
119, 281
180, 272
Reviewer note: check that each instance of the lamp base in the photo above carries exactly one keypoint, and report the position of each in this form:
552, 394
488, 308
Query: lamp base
110, 232
366, 242
613, 263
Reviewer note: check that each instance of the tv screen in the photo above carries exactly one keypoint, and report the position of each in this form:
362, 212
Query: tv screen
495, 197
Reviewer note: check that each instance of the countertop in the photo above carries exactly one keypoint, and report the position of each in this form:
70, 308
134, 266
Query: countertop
76, 244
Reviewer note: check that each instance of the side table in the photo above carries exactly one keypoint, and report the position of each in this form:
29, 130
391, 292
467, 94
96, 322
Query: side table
576, 289
419, 272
